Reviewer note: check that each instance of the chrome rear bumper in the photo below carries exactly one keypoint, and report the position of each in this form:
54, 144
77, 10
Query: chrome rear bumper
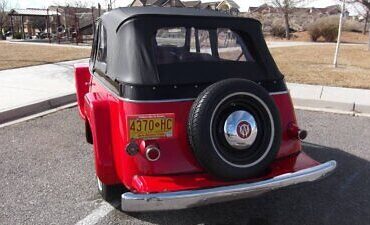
185, 199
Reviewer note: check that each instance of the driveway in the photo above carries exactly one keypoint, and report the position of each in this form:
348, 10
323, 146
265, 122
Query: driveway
47, 177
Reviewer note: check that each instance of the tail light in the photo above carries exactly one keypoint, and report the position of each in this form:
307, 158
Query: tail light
295, 132
132, 148
152, 153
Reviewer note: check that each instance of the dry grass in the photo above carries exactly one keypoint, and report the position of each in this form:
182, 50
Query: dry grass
300, 64
347, 37
313, 65
20, 55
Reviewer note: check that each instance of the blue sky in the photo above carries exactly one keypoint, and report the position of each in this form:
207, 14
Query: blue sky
244, 4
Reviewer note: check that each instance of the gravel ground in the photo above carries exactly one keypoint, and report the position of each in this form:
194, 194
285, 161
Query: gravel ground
47, 177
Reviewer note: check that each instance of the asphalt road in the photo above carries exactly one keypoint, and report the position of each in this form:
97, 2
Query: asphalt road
47, 177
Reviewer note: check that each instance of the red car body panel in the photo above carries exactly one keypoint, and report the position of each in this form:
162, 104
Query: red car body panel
82, 77
156, 184
177, 168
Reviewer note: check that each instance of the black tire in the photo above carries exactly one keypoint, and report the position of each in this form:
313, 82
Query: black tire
206, 129
88, 134
110, 192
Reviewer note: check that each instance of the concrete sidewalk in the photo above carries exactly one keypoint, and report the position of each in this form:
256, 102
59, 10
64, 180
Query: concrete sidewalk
26, 85
28, 90
43, 87
35, 42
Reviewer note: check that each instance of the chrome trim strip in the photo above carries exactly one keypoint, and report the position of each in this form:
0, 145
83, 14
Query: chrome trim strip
279, 93
161, 100
157, 101
131, 202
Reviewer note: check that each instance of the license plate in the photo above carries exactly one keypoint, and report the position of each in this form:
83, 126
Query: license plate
151, 126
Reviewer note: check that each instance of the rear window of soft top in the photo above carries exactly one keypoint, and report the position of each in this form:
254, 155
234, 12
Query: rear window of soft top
180, 44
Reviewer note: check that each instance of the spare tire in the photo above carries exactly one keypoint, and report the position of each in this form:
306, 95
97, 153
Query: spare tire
234, 129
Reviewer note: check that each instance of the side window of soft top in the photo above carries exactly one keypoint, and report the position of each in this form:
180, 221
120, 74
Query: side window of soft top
95, 43
102, 49
100, 59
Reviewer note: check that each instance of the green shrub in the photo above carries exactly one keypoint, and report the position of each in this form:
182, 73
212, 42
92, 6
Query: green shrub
278, 31
326, 27
314, 32
329, 32
353, 26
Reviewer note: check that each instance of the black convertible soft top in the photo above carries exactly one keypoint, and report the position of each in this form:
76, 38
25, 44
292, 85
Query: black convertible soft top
119, 16
130, 58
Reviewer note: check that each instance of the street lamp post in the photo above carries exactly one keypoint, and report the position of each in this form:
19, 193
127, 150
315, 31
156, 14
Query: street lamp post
48, 25
58, 25
335, 62
368, 43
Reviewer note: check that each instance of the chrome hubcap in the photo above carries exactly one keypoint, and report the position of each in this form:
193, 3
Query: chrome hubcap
100, 185
240, 129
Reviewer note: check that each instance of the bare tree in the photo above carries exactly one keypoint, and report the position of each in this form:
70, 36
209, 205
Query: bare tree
362, 10
3, 16
365, 22
77, 3
365, 3
285, 7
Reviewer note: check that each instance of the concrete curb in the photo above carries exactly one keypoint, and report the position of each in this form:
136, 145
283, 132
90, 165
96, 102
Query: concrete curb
71, 45
330, 98
314, 100
37, 107
324, 104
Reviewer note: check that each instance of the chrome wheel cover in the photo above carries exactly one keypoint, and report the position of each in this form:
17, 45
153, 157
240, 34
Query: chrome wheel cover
240, 130
272, 132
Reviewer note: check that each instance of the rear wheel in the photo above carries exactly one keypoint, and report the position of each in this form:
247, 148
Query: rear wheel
234, 129
88, 134
109, 192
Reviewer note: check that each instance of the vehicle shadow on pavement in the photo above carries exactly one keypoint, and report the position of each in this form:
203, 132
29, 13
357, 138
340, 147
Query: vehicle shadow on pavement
341, 198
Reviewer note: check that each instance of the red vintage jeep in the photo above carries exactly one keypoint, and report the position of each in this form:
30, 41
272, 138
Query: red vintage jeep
186, 107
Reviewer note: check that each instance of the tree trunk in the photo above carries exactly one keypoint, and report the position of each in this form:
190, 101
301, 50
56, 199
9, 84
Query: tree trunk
368, 44
366, 20
22, 27
287, 26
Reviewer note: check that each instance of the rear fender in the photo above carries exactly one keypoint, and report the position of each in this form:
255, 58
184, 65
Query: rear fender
82, 79
289, 145
97, 114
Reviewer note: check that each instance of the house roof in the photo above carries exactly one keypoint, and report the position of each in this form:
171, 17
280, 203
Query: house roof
262, 8
155, 2
216, 4
134, 3
333, 9
204, 5
33, 12
173, 3
192, 3
232, 3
